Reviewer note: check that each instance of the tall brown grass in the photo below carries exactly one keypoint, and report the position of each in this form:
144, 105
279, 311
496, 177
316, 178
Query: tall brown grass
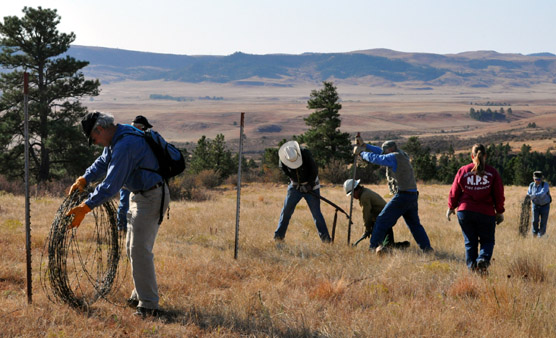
301, 287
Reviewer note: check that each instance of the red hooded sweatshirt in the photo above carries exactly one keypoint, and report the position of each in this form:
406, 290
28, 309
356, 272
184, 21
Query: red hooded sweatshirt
483, 194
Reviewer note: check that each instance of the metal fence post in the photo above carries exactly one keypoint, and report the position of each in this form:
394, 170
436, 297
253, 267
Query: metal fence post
240, 157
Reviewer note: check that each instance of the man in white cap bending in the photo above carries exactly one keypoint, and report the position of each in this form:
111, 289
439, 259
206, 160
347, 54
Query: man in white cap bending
298, 164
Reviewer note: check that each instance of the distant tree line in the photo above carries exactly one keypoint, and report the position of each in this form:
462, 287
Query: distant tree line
489, 103
488, 114
184, 98
515, 169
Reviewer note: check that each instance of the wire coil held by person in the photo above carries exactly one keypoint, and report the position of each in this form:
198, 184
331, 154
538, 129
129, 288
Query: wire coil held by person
525, 216
82, 266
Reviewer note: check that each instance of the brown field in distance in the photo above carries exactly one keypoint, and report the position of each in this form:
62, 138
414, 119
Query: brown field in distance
409, 109
300, 288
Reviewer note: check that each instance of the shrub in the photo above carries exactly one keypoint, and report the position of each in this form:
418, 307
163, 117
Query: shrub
335, 172
208, 178
184, 187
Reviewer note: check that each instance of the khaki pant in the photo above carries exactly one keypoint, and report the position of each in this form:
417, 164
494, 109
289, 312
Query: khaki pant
143, 216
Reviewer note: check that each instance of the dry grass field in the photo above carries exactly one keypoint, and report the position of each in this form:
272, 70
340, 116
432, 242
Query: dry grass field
301, 287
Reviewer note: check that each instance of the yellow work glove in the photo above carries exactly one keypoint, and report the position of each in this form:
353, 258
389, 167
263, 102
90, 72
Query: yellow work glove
79, 184
79, 213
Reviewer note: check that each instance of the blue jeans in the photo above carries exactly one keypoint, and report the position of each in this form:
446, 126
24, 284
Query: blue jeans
405, 205
542, 213
292, 198
477, 229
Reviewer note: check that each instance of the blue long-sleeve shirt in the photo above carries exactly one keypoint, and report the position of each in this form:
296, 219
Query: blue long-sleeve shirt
539, 193
123, 207
374, 155
120, 166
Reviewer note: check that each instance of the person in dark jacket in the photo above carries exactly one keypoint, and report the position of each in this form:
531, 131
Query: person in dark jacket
478, 195
540, 203
298, 164
402, 184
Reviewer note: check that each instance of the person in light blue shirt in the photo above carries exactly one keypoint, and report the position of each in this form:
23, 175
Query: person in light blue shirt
140, 122
540, 203
401, 182
127, 161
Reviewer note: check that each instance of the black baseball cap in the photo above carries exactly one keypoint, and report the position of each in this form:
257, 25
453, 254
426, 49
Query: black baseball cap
142, 120
88, 122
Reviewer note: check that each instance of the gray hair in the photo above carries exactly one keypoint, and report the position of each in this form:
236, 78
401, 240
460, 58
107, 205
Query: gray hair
104, 120
388, 145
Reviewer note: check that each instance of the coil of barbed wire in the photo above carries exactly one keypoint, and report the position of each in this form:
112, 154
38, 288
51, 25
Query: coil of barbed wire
525, 217
82, 262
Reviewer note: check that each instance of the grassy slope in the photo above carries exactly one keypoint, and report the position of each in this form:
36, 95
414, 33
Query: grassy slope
302, 287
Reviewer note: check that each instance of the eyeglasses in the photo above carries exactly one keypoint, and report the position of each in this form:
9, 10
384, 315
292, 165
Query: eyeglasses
537, 179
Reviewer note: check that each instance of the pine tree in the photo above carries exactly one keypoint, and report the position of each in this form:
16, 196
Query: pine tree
57, 147
324, 138
213, 155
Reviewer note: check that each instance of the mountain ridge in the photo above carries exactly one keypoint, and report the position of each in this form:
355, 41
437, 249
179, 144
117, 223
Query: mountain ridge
472, 69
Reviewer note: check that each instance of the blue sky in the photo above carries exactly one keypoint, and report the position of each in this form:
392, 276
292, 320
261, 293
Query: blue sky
222, 27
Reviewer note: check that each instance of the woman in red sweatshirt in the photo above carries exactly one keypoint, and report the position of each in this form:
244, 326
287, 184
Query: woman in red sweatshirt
478, 195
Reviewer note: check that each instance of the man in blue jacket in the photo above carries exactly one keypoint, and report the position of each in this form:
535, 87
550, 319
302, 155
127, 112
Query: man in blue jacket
401, 182
121, 164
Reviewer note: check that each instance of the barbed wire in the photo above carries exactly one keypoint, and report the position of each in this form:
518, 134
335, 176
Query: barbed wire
83, 262
525, 217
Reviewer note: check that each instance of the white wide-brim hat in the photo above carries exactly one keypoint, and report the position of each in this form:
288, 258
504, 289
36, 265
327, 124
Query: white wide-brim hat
290, 155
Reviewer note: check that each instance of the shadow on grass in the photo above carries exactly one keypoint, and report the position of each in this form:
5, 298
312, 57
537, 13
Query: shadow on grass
448, 256
214, 319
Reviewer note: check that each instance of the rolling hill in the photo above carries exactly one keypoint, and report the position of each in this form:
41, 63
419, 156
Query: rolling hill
472, 69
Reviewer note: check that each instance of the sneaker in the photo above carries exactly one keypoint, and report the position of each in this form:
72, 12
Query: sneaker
278, 238
382, 250
402, 245
326, 239
143, 312
428, 250
130, 302
482, 266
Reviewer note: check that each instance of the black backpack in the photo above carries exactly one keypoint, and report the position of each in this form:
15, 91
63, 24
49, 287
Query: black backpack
170, 159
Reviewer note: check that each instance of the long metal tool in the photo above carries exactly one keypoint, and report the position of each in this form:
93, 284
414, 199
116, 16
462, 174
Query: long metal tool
351, 199
360, 239
329, 202
335, 213
27, 202
239, 184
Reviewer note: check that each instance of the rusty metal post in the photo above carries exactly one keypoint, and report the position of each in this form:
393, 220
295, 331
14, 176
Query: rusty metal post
334, 225
27, 202
240, 157
351, 199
